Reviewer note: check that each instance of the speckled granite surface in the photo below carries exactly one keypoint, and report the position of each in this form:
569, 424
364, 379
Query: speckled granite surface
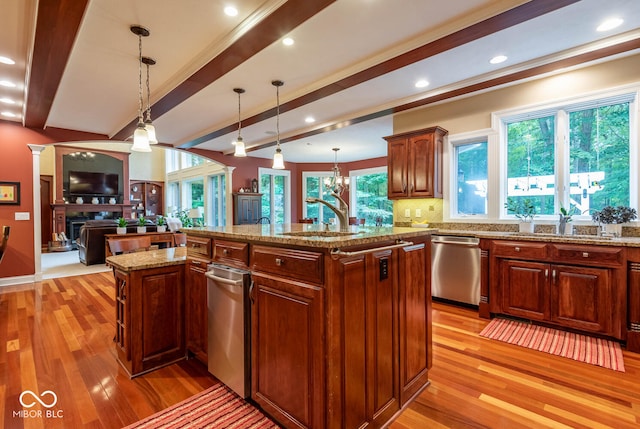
150, 259
309, 235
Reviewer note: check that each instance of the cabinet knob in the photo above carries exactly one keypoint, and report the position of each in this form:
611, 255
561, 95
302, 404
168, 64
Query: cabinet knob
279, 262
225, 252
585, 254
517, 249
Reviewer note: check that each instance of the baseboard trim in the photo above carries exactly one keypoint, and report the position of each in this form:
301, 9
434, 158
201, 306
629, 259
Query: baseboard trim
18, 280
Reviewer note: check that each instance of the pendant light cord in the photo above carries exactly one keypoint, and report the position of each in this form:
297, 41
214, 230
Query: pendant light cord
140, 118
278, 115
148, 97
239, 120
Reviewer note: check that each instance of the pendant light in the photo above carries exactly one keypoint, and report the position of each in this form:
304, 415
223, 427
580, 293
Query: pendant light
278, 159
140, 135
239, 143
148, 125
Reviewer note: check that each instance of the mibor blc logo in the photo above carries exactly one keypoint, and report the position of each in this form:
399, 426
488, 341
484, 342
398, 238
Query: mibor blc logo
47, 399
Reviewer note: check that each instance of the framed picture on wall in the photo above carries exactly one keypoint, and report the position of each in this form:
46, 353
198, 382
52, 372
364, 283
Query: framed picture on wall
10, 193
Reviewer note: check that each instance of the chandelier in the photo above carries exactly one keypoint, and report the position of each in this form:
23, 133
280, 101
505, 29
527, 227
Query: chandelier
336, 183
140, 135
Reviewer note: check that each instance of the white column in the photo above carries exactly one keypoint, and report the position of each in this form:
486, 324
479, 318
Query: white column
37, 224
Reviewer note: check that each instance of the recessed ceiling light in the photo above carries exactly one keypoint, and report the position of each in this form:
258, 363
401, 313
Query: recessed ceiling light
6, 60
610, 24
288, 41
498, 59
9, 114
7, 101
7, 84
422, 83
309, 119
230, 11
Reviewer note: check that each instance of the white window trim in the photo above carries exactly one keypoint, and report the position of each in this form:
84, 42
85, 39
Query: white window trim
353, 174
305, 176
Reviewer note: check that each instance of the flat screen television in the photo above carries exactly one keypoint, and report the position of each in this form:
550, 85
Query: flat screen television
92, 183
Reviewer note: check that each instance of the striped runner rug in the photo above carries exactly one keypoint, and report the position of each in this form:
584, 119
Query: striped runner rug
217, 407
596, 351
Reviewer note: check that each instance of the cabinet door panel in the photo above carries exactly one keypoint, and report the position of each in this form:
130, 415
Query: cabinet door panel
524, 289
581, 298
397, 168
196, 317
287, 353
421, 163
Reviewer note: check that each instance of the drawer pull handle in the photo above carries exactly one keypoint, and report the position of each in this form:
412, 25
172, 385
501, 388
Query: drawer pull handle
585, 254
279, 262
225, 252
517, 249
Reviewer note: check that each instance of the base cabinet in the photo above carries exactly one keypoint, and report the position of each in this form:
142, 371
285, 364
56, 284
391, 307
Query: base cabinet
287, 350
196, 318
585, 293
150, 318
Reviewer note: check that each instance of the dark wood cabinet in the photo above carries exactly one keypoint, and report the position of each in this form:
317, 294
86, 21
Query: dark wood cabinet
574, 286
196, 313
146, 197
415, 164
287, 362
149, 318
247, 208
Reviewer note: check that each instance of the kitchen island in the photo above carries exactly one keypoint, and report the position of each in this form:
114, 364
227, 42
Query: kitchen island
340, 320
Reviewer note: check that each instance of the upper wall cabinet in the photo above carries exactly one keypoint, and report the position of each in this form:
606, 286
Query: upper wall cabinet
415, 164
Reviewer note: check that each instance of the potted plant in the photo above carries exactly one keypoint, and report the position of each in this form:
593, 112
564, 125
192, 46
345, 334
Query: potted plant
122, 226
524, 210
611, 218
142, 222
564, 227
161, 224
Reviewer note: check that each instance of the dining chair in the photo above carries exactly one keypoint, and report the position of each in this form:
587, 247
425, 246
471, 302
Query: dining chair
179, 240
356, 221
4, 240
129, 245
264, 220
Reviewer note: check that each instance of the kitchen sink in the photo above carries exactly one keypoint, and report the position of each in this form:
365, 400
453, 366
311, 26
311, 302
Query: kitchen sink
320, 233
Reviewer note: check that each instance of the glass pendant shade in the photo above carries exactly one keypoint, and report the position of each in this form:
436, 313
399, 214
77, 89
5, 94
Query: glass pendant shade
239, 151
278, 160
151, 131
141, 139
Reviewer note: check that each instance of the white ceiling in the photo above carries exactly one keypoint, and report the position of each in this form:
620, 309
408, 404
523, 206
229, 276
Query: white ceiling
98, 91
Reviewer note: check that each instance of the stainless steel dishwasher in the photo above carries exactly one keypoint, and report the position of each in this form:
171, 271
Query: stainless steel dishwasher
229, 324
455, 268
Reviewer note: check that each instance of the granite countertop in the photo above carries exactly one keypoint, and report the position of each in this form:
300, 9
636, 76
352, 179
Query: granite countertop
310, 235
547, 237
149, 259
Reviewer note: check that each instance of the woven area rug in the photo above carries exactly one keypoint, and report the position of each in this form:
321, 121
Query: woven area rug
217, 407
595, 351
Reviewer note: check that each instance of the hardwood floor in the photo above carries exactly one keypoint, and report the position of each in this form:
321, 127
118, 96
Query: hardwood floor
57, 335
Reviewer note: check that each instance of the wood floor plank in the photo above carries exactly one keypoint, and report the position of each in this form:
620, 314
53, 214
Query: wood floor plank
58, 335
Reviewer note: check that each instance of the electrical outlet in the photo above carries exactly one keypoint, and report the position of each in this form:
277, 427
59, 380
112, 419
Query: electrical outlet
418, 213
407, 212
22, 216
431, 208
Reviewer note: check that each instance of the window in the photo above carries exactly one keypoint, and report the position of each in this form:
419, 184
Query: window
471, 178
313, 186
173, 198
575, 155
275, 187
368, 195
217, 214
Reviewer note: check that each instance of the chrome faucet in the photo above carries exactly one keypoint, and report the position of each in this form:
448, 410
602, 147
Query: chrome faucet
342, 212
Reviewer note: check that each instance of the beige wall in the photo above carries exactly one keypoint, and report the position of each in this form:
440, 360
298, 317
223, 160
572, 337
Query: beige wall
474, 113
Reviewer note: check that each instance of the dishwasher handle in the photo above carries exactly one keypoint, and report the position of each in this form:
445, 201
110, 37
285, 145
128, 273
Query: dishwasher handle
223, 280
460, 241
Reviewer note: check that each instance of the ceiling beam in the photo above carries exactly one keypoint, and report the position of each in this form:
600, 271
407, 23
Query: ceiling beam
504, 20
57, 25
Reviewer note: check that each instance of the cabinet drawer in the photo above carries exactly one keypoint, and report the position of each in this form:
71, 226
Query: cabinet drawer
296, 264
519, 249
231, 252
590, 255
199, 246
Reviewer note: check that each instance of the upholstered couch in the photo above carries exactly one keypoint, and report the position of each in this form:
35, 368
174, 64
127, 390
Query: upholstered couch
91, 238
